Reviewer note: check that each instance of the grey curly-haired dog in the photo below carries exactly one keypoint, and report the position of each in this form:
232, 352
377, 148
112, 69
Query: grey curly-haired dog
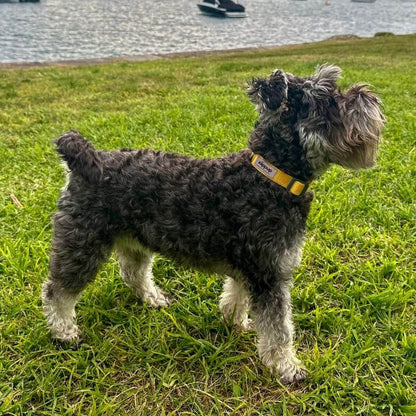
242, 215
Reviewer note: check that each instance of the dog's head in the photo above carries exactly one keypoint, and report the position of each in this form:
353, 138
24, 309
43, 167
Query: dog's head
331, 126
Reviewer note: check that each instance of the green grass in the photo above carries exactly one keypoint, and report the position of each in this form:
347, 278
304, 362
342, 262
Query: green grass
354, 295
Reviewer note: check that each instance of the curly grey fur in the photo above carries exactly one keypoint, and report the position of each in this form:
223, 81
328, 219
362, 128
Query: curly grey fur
219, 215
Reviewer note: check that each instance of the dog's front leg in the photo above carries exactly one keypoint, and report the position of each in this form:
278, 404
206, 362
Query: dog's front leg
273, 315
235, 304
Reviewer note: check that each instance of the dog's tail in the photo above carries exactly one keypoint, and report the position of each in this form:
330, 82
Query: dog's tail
80, 156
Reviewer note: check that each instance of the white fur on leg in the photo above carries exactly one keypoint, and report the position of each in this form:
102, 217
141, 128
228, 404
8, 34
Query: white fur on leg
59, 311
281, 359
235, 304
146, 289
275, 343
136, 270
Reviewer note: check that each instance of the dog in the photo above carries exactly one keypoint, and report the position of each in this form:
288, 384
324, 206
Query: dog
242, 215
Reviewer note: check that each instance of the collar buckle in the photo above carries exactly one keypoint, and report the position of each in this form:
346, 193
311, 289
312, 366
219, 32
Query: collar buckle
297, 187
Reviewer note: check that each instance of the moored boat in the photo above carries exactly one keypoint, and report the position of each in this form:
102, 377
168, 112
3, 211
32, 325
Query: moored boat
222, 8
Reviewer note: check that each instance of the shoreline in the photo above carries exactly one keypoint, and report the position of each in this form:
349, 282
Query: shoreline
188, 54
169, 55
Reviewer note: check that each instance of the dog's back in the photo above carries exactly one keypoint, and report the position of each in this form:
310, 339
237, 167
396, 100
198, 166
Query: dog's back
204, 212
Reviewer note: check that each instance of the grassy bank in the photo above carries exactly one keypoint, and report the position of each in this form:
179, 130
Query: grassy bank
354, 297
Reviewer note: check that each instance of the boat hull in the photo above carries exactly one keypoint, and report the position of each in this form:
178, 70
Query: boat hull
214, 10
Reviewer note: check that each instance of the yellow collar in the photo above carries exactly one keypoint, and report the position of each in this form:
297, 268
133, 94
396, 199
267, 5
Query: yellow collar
293, 185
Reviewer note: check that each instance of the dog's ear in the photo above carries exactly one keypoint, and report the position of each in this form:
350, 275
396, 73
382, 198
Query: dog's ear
323, 83
326, 76
268, 93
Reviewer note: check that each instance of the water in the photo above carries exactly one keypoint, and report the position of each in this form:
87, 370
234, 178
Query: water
77, 29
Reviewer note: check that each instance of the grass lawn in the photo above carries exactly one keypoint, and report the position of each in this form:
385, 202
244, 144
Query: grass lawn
354, 295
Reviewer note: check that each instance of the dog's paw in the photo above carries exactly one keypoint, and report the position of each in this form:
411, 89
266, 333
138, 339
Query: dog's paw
292, 374
74, 344
246, 325
157, 298
67, 334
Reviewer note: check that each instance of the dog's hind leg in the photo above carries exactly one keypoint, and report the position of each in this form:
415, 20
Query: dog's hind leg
273, 317
77, 252
235, 303
136, 270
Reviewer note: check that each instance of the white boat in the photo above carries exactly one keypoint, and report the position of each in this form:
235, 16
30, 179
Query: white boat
215, 8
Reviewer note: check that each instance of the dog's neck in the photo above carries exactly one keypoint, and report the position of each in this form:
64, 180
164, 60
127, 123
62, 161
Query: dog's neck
291, 184
281, 149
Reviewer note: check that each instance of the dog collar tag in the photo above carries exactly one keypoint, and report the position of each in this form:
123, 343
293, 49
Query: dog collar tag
264, 167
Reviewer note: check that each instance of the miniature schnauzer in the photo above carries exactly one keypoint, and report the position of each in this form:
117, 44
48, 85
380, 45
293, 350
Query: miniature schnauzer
242, 215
